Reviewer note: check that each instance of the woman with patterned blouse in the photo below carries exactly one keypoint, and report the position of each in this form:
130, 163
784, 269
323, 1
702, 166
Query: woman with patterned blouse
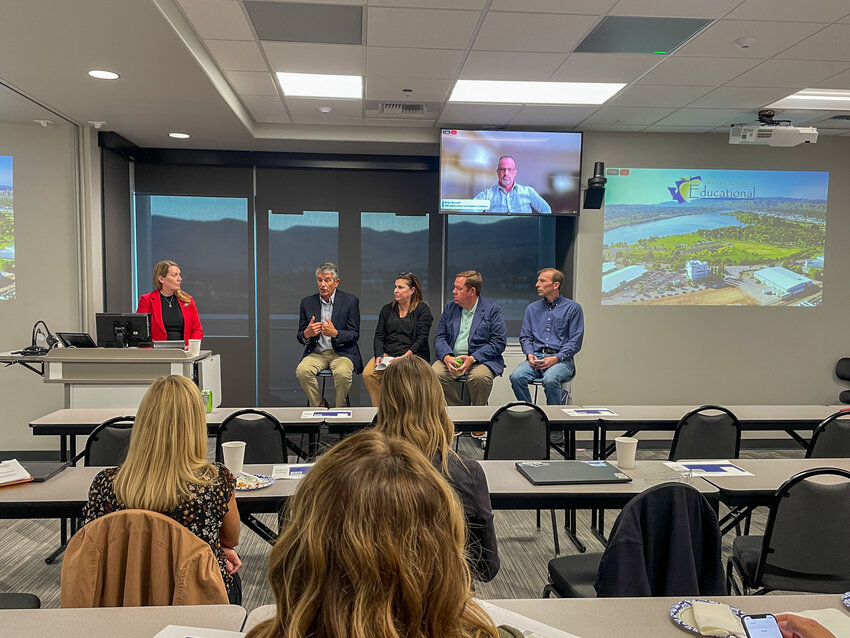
166, 471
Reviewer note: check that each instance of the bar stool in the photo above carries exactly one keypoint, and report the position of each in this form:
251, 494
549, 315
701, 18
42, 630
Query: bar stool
324, 375
566, 389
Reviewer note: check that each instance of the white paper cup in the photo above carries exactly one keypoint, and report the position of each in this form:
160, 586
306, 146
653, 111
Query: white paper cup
194, 347
234, 455
626, 448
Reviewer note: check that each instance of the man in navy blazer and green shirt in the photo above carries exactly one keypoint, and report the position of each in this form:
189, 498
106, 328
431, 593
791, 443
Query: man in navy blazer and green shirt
471, 337
329, 327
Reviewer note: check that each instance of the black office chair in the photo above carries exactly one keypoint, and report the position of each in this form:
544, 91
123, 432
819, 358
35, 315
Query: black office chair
265, 442
665, 542
108, 443
519, 431
831, 439
804, 547
708, 432
842, 371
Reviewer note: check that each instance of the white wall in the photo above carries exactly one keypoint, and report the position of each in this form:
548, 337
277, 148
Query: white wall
46, 256
731, 355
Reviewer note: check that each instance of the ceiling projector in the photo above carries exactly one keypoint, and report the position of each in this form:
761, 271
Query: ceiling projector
772, 132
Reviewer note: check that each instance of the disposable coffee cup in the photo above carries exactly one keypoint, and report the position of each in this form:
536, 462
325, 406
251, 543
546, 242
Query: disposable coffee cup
626, 448
194, 347
234, 455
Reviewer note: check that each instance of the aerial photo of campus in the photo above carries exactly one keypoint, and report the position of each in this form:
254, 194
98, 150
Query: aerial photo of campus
7, 230
714, 237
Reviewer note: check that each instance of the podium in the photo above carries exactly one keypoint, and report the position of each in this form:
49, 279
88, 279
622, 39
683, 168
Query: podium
119, 377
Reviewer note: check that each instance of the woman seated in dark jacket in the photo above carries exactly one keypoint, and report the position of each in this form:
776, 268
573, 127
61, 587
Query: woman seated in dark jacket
413, 408
404, 326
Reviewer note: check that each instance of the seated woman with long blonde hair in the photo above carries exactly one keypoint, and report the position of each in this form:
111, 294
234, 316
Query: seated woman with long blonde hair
167, 471
372, 547
413, 407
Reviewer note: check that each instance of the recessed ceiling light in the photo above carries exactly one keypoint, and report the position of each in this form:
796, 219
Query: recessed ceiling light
509, 92
179, 136
817, 99
319, 85
325, 109
104, 75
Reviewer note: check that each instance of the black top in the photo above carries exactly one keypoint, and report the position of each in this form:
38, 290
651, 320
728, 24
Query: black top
468, 480
172, 317
395, 335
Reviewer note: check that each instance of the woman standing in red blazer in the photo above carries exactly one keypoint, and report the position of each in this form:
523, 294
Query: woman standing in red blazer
174, 315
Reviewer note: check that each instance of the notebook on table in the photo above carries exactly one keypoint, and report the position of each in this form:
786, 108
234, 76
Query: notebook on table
571, 472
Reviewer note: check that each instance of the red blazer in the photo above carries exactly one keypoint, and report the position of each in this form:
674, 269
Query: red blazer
151, 304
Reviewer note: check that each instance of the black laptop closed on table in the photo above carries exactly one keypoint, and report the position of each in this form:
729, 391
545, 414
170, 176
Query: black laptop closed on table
570, 472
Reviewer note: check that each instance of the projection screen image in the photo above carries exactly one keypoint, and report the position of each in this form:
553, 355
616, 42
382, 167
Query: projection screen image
7, 230
681, 237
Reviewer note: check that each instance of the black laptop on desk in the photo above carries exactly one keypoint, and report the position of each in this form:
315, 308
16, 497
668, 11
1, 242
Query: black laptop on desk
570, 472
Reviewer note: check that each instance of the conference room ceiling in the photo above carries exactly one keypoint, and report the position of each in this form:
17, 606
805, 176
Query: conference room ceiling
207, 67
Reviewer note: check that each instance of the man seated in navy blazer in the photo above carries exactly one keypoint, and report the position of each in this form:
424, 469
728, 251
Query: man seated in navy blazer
329, 327
471, 337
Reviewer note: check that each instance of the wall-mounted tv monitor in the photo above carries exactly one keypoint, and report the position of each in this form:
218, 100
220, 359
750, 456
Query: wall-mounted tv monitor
123, 330
509, 172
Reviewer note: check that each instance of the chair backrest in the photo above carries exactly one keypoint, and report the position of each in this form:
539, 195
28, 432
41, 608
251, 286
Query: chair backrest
665, 542
108, 442
139, 558
263, 434
708, 432
805, 541
831, 439
842, 369
518, 431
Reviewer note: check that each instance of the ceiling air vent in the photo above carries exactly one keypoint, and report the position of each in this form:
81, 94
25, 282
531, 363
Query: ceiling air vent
401, 109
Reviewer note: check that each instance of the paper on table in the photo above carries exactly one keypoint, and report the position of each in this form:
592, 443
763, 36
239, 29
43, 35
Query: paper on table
589, 412
835, 620
709, 468
716, 619
385, 361
529, 627
12, 472
291, 470
326, 414
179, 631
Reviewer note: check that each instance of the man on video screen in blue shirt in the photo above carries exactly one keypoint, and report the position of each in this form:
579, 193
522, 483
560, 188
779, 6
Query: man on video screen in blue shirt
509, 197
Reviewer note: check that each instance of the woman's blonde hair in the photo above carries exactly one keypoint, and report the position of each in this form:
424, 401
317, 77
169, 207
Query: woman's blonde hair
412, 406
161, 270
168, 448
372, 547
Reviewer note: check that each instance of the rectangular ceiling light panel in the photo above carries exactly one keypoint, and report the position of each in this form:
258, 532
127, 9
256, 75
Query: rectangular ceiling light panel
817, 99
320, 85
509, 92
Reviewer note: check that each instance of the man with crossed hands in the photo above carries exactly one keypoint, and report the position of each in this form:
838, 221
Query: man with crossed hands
329, 328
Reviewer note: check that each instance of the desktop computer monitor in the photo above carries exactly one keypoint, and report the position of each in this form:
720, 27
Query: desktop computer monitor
123, 330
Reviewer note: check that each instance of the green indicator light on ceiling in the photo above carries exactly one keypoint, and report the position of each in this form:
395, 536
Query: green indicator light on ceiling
660, 52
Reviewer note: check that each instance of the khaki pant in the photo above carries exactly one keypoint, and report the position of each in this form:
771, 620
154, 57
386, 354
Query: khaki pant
372, 381
341, 367
479, 382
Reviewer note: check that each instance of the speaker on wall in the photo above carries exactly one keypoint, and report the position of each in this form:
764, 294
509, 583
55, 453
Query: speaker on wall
595, 192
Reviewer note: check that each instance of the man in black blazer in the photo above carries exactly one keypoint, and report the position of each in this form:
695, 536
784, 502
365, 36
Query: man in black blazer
329, 327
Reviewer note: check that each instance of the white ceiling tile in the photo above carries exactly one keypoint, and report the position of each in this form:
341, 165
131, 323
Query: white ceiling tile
588, 7
251, 82
309, 57
236, 55
797, 74
320, 119
544, 116
833, 43
621, 128
346, 2
395, 62
740, 97
820, 11
404, 122
706, 117
655, 95
502, 65
718, 41
424, 90
840, 81
657, 128
423, 28
604, 67
425, 4
308, 106
217, 19
678, 70
265, 108
674, 8
627, 116
479, 114
532, 32
800, 117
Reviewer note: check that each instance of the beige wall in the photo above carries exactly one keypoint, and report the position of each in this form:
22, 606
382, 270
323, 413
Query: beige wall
731, 355
46, 257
